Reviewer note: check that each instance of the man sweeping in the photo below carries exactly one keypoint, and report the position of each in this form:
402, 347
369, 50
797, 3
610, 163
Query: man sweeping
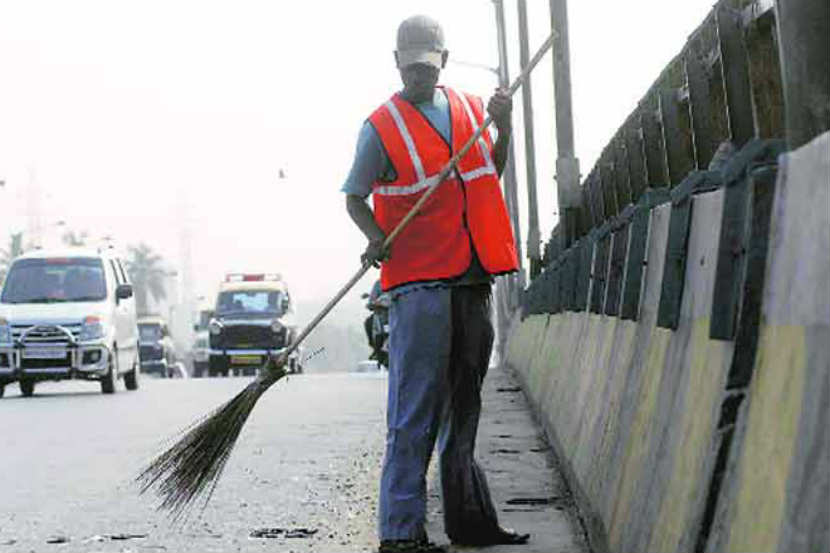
439, 273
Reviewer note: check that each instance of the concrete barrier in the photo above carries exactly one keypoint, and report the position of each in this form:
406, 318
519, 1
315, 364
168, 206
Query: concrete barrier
778, 492
664, 451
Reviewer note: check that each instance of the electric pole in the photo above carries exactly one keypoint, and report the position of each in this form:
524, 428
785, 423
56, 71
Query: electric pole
510, 191
567, 165
533, 237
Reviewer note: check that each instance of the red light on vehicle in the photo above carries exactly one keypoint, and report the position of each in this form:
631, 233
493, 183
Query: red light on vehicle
58, 261
251, 277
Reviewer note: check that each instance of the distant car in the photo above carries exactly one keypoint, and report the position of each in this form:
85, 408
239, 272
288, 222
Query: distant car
68, 314
254, 318
200, 351
155, 347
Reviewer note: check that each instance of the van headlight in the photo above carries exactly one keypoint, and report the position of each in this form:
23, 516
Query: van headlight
276, 326
92, 329
5, 331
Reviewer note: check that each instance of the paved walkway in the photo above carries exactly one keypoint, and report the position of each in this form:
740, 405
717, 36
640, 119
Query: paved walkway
528, 489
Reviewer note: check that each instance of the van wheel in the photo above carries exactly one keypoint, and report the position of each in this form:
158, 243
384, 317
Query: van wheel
27, 387
2, 389
108, 382
131, 378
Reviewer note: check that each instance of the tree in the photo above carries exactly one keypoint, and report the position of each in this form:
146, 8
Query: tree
8, 255
147, 275
72, 238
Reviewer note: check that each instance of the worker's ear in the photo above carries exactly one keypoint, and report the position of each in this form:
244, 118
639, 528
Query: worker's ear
444, 58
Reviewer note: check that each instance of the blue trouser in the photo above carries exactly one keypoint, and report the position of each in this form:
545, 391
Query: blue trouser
440, 344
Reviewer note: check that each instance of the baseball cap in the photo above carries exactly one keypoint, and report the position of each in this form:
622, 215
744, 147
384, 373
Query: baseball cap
420, 40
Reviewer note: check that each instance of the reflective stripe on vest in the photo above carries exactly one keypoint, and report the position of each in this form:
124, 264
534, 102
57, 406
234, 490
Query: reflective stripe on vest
466, 210
488, 168
425, 182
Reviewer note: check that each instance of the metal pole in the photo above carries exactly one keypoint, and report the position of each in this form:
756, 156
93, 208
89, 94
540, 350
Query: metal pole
804, 45
510, 192
533, 237
507, 289
567, 165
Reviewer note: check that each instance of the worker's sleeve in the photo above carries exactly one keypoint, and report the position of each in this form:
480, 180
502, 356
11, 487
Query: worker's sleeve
370, 164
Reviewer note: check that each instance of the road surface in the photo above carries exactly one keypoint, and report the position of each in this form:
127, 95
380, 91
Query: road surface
308, 459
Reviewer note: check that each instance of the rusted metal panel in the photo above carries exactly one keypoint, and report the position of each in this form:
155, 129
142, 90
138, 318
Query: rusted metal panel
655, 149
585, 211
804, 46
555, 305
676, 134
622, 178
700, 105
633, 134
597, 199
568, 283
594, 207
734, 64
607, 185
765, 76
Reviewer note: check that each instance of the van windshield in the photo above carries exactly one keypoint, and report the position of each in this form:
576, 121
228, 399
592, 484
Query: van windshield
55, 280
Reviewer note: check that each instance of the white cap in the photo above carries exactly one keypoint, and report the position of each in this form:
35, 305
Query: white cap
420, 40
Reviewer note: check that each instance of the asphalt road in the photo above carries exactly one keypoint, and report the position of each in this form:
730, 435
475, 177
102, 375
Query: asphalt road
308, 458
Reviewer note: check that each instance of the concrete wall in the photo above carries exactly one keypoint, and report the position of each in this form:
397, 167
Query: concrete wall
640, 414
778, 497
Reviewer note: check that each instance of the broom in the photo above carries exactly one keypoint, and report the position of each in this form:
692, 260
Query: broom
191, 467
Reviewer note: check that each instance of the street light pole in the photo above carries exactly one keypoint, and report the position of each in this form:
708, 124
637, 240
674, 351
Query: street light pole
533, 237
510, 192
567, 165
507, 287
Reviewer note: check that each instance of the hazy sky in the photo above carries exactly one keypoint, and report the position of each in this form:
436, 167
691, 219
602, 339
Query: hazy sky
126, 112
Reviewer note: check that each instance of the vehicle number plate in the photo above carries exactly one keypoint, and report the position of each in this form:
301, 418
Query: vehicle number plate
246, 359
44, 353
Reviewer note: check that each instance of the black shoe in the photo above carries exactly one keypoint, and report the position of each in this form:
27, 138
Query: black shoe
410, 546
498, 536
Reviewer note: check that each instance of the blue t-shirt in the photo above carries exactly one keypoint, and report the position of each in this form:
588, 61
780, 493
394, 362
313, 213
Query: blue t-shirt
371, 162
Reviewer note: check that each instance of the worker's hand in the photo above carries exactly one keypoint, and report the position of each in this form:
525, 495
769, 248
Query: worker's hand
500, 107
375, 253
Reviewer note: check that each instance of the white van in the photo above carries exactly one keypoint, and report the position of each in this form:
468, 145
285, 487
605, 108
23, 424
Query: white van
68, 314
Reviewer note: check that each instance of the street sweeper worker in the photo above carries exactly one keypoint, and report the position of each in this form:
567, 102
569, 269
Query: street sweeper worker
439, 272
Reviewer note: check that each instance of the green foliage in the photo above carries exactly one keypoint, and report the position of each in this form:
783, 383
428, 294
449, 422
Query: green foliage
72, 238
14, 249
146, 274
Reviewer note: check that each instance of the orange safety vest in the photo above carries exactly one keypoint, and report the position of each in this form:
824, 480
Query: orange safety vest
466, 210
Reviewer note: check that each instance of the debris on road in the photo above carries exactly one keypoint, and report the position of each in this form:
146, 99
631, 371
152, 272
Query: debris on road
283, 533
113, 537
120, 537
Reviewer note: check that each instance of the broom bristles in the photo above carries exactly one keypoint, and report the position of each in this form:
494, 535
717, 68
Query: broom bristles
191, 467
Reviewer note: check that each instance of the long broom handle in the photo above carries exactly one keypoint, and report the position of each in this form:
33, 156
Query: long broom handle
448, 168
